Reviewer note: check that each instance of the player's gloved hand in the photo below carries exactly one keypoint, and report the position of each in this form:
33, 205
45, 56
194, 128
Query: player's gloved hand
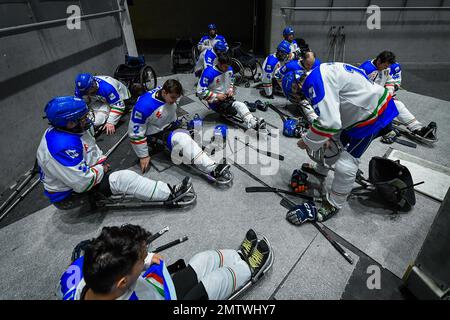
299, 181
302, 213
109, 128
144, 163
389, 137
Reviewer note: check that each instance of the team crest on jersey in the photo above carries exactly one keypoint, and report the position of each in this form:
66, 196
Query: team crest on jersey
269, 68
72, 153
217, 81
86, 147
138, 115
112, 96
158, 114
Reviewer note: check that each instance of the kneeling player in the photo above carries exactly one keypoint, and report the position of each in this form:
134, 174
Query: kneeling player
154, 120
73, 168
217, 88
118, 266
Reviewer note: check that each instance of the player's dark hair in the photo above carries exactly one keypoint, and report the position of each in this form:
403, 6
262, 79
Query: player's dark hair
386, 56
173, 86
112, 256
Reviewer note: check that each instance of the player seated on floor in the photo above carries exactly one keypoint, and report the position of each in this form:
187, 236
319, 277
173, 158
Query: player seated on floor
272, 63
72, 166
154, 121
209, 57
216, 87
117, 266
384, 71
353, 119
295, 51
106, 96
208, 41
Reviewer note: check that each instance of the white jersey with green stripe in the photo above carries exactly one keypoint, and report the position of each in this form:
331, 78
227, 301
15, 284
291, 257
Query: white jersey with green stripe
150, 115
69, 162
342, 96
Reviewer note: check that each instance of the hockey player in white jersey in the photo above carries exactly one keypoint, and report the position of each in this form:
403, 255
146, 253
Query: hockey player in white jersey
295, 52
106, 96
154, 121
117, 265
384, 71
73, 168
350, 107
208, 41
216, 87
272, 63
209, 57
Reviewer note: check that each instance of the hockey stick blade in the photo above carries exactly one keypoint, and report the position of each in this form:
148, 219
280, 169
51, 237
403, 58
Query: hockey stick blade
405, 143
266, 153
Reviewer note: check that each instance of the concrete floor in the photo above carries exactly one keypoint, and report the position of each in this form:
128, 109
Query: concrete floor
36, 247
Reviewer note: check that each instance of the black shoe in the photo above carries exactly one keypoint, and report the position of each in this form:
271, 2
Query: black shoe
308, 168
428, 132
258, 257
248, 244
222, 170
180, 189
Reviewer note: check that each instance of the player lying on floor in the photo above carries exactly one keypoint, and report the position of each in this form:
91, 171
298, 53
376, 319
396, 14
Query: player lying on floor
350, 107
73, 168
117, 266
384, 71
154, 122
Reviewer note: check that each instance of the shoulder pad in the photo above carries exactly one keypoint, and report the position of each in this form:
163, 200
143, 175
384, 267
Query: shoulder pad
66, 148
368, 67
145, 106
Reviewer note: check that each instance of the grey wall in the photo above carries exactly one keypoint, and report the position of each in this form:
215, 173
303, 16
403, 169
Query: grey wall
39, 64
412, 35
162, 19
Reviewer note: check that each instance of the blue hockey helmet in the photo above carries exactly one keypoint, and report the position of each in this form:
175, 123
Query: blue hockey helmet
291, 128
221, 131
212, 26
288, 31
83, 82
61, 110
220, 47
284, 47
290, 86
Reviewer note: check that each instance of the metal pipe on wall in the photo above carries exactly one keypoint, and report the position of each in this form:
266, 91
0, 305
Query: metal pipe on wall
362, 8
51, 22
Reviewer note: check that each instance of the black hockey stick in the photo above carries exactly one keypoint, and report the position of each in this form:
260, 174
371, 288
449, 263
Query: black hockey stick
405, 143
269, 189
282, 115
171, 244
286, 200
288, 204
155, 236
267, 153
